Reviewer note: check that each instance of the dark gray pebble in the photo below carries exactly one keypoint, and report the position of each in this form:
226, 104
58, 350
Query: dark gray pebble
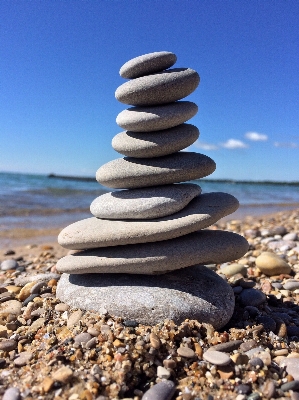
29, 298
131, 323
243, 389
12, 393
293, 385
36, 288
237, 289
9, 253
9, 264
246, 284
8, 345
293, 330
2, 363
253, 311
256, 362
268, 322
227, 347
161, 391
252, 297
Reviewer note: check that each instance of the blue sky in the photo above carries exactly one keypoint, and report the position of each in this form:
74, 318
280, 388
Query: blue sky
59, 70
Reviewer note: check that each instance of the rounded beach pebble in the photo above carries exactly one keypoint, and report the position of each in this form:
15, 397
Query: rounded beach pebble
216, 357
271, 264
152, 202
147, 64
161, 88
193, 293
128, 172
155, 144
155, 118
201, 212
202, 247
161, 391
9, 264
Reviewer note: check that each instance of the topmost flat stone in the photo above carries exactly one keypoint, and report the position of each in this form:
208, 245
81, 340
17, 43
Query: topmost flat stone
147, 64
161, 88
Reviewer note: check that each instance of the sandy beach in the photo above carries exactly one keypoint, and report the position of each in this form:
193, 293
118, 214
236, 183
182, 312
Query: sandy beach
49, 351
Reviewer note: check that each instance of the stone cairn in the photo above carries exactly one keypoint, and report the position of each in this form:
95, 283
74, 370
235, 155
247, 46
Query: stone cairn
140, 257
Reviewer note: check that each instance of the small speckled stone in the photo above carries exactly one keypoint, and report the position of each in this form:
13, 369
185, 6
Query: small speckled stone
200, 247
155, 144
252, 297
162, 372
160, 88
63, 374
194, 293
23, 358
155, 341
129, 173
217, 357
201, 212
155, 118
269, 389
74, 318
256, 362
61, 307
82, 337
10, 307
161, 391
12, 393
9, 264
186, 352
146, 203
248, 345
147, 64
271, 264
93, 331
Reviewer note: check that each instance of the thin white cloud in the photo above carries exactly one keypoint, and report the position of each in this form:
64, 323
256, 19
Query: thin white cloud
255, 136
234, 144
205, 146
289, 145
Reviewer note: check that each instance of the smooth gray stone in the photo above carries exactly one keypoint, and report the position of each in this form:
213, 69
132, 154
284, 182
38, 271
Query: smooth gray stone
161, 391
146, 203
161, 88
252, 297
155, 144
155, 118
129, 172
147, 64
292, 367
6, 265
193, 292
201, 212
201, 247
12, 393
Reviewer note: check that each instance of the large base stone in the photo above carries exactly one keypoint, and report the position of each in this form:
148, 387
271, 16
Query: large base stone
194, 293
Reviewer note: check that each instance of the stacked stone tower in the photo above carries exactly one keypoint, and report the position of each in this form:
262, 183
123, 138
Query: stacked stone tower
139, 256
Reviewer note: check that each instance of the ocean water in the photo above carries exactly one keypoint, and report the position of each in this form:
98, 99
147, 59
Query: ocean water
37, 201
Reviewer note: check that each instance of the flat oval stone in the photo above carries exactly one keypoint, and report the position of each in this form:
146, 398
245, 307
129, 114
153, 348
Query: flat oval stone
217, 357
200, 213
128, 173
155, 144
161, 88
147, 64
156, 118
201, 247
271, 264
161, 391
252, 297
146, 203
194, 293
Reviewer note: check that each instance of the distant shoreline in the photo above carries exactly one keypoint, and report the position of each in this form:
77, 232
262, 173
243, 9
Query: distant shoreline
232, 181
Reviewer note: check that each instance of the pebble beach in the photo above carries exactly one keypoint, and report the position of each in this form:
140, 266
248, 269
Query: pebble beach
50, 351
